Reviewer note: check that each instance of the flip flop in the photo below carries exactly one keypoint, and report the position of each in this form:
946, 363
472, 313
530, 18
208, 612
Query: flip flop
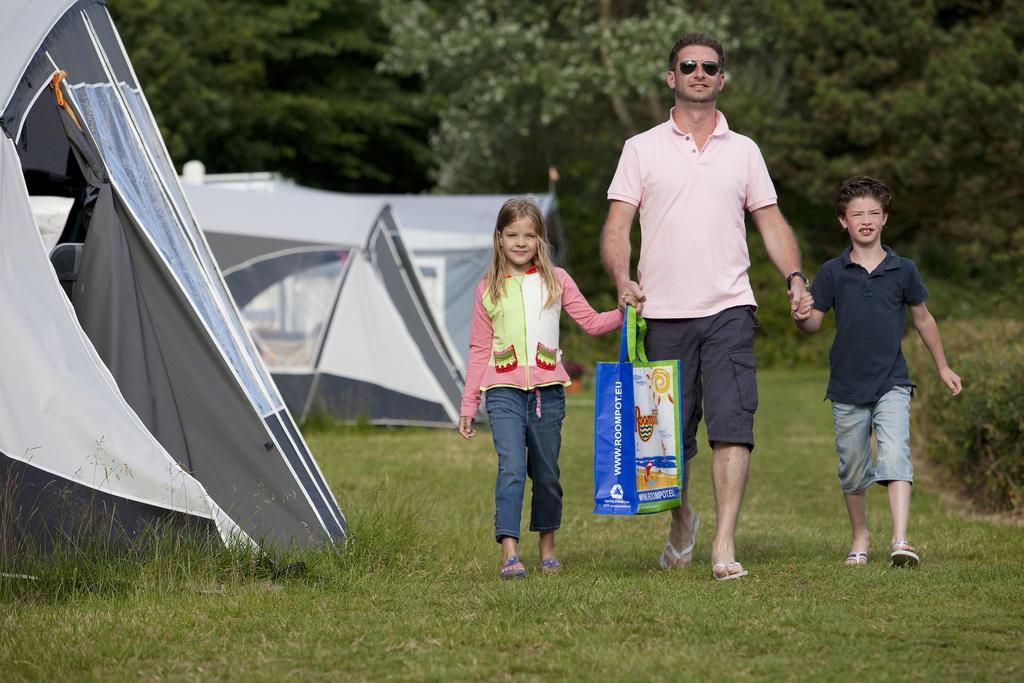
507, 571
678, 555
550, 566
856, 559
903, 555
728, 576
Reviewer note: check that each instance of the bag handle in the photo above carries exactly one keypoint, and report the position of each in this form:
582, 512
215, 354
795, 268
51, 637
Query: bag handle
631, 342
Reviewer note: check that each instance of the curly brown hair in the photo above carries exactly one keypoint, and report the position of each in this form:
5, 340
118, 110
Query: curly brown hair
862, 186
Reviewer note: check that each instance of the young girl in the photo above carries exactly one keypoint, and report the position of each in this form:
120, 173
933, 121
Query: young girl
514, 357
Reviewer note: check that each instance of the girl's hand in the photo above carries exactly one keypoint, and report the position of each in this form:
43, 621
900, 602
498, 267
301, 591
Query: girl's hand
466, 427
952, 380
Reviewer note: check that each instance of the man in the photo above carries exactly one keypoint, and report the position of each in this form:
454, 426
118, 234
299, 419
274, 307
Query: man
691, 179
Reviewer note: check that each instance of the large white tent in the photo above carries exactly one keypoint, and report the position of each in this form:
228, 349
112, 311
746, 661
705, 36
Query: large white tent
449, 236
339, 315
134, 395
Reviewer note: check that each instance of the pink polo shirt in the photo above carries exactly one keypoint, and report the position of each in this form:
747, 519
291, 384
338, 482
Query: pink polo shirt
693, 247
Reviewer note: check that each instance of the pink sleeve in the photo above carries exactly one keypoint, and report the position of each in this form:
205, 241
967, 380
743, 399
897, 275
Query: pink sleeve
627, 185
481, 332
760, 189
574, 303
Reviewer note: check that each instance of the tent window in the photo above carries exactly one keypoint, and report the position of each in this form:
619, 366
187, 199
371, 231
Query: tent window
287, 319
141, 192
432, 279
153, 141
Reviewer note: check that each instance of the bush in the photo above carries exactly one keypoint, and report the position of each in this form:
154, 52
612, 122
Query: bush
978, 436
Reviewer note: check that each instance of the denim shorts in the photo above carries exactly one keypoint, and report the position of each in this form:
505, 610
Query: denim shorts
527, 429
718, 376
889, 419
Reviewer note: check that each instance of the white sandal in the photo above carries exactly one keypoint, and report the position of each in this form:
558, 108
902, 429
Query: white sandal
903, 555
728, 576
678, 555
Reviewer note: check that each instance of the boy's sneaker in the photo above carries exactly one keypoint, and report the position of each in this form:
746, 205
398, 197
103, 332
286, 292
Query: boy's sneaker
903, 555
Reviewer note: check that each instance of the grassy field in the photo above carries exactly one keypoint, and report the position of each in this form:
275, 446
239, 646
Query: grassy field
416, 595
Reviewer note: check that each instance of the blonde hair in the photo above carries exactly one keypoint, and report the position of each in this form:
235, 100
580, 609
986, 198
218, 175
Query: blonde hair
511, 211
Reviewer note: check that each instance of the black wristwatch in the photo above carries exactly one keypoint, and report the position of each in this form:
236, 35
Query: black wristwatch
796, 273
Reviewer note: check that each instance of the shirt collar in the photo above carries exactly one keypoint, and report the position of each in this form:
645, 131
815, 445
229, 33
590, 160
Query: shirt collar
721, 125
890, 262
531, 271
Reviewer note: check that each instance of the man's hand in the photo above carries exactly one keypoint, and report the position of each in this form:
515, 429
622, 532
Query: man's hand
800, 300
466, 427
630, 294
952, 380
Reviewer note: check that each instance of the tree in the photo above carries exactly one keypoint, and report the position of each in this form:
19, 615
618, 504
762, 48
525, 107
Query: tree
290, 86
524, 85
927, 96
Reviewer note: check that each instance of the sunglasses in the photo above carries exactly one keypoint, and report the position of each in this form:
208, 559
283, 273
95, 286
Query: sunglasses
688, 66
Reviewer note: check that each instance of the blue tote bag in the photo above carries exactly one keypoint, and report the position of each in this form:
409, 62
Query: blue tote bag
638, 464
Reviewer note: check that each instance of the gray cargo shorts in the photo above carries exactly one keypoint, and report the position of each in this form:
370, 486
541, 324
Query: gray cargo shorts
718, 371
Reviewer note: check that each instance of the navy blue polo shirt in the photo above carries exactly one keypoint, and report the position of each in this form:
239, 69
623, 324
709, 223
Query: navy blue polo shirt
866, 360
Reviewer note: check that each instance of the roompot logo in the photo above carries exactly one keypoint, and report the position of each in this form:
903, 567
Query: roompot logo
645, 424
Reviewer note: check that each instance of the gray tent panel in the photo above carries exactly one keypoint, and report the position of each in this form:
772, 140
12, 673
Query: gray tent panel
40, 512
181, 387
352, 400
394, 264
295, 390
112, 311
233, 250
302, 464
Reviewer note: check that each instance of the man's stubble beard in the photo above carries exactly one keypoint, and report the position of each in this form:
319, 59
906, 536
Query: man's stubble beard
710, 96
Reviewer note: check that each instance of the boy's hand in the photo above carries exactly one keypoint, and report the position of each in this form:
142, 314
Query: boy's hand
952, 380
466, 426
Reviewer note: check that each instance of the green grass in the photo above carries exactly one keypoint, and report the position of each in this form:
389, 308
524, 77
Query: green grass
416, 594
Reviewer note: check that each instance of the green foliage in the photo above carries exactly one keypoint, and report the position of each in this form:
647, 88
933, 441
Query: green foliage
291, 86
979, 435
927, 96
523, 86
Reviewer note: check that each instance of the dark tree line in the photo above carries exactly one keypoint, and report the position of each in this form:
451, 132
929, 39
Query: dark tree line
486, 95
289, 86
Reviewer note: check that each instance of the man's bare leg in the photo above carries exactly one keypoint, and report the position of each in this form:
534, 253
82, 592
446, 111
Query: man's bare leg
680, 534
730, 464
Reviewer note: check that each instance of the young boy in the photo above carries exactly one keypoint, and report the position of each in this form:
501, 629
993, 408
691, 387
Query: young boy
869, 386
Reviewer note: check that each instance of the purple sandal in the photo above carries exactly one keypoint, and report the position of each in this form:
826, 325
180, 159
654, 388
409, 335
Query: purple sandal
550, 566
508, 571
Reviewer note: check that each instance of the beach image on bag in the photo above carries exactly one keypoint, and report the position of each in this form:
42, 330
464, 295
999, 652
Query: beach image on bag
657, 465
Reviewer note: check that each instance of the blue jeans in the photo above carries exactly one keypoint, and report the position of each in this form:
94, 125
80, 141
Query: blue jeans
889, 417
527, 431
